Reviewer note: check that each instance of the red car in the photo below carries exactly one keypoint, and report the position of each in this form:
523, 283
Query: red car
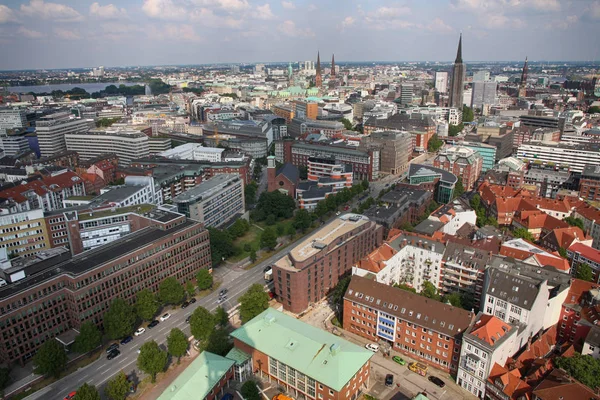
70, 396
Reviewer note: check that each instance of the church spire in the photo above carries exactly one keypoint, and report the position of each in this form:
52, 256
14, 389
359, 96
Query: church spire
333, 65
459, 52
318, 77
524, 73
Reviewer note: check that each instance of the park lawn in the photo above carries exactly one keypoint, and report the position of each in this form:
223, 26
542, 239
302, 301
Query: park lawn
252, 237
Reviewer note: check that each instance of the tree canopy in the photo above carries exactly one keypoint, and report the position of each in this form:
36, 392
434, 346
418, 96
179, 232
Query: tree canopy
221, 317
87, 392
202, 323
585, 272
454, 130
594, 110
204, 279
250, 193
268, 238
88, 339
253, 302
221, 245
218, 342
434, 144
586, 369
347, 124
523, 233
177, 343
146, 304
302, 220
578, 222
119, 320
117, 388
275, 203
459, 189
250, 391
430, 291
50, 359
170, 291
152, 359
467, 114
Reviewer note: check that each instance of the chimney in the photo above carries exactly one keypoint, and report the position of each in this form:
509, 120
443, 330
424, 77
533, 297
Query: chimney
529, 342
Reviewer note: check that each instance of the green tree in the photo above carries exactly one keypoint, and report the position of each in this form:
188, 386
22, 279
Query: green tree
585, 273
152, 359
280, 229
170, 291
204, 279
88, 339
275, 203
291, 230
190, 289
218, 342
146, 304
574, 222
454, 298
270, 220
459, 189
523, 233
302, 220
337, 296
87, 392
467, 301
429, 290
50, 359
585, 369
467, 114
594, 110
434, 144
221, 317
562, 252
253, 255
250, 193
119, 320
454, 130
177, 343
253, 302
250, 391
404, 286
239, 228
475, 202
347, 124
268, 239
303, 170
118, 387
221, 245
202, 323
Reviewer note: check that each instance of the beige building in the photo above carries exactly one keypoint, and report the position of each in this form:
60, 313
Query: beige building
395, 150
24, 233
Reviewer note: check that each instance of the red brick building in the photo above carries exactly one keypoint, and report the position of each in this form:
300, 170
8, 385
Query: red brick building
425, 329
463, 162
311, 269
589, 184
47, 296
284, 179
579, 311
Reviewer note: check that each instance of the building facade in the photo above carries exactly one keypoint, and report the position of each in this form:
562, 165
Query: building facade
462, 162
52, 129
128, 146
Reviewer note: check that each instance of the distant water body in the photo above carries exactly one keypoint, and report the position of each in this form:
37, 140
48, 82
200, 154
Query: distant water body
89, 87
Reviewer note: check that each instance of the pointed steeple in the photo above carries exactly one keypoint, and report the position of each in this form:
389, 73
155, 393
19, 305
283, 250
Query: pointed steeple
318, 77
318, 63
459, 52
333, 65
524, 73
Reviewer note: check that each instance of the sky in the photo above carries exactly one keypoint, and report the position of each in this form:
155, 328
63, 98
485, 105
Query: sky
38, 34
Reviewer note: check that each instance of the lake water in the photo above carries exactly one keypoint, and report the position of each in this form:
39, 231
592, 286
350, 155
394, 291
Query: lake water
89, 87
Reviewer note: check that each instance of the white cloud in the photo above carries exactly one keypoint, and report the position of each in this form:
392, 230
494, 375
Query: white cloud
389, 12
263, 12
179, 32
594, 10
289, 28
506, 6
66, 34
6, 14
438, 25
312, 7
52, 11
288, 5
164, 9
109, 11
500, 21
29, 33
225, 5
208, 18
563, 24
348, 21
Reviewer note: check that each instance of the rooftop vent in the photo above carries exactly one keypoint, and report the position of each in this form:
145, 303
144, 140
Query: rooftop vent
269, 319
334, 349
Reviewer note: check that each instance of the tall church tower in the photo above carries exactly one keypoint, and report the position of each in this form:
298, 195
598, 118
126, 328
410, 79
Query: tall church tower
333, 65
523, 83
318, 77
457, 84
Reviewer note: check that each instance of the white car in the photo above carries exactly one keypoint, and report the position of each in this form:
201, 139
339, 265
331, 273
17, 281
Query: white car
165, 317
373, 347
140, 331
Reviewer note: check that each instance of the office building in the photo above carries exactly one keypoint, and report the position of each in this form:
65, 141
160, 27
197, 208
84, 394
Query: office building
539, 121
589, 183
338, 111
24, 233
284, 111
441, 82
481, 76
399, 206
395, 150
52, 129
309, 362
14, 145
486, 151
484, 94
458, 79
126, 145
311, 269
575, 157
50, 294
406, 93
300, 127
437, 181
463, 162
12, 119
194, 151
305, 109
424, 329
421, 126
213, 202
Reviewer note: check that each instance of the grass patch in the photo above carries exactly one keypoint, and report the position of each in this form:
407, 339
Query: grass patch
336, 322
251, 237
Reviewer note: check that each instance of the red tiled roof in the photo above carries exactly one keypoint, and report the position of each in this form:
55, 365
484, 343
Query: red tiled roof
589, 212
514, 386
560, 386
375, 261
514, 253
561, 264
577, 289
490, 329
566, 236
586, 251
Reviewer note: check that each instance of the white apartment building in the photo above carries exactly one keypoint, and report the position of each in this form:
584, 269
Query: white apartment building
14, 145
12, 119
591, 345
52, 129
576, 157
127, 145
194, 151
441, 82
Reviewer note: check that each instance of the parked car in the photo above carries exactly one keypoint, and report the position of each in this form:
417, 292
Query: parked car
399, 360
113, 354
153, 324
373, 347
140, 331
112, 347
192, 300
227, 396
165, 317
70, 396
389, 380
338, 213
185, 304
223, 292
267, 268
436, 381
127, 340
187, 319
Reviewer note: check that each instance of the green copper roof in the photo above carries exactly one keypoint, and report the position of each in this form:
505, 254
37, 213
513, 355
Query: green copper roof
238, 356
198, 379
321, 355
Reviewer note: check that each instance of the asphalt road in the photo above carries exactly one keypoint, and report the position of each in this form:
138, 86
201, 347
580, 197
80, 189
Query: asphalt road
98, 372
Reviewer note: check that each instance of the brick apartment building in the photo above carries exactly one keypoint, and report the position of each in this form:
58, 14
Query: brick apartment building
425, 329
311, 269
463, 162
50, 293
308, 362
589, 184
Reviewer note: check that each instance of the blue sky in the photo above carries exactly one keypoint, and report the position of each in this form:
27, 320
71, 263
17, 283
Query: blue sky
85, 33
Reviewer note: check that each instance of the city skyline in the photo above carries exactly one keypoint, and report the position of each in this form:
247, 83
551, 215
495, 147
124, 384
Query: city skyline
38, 34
